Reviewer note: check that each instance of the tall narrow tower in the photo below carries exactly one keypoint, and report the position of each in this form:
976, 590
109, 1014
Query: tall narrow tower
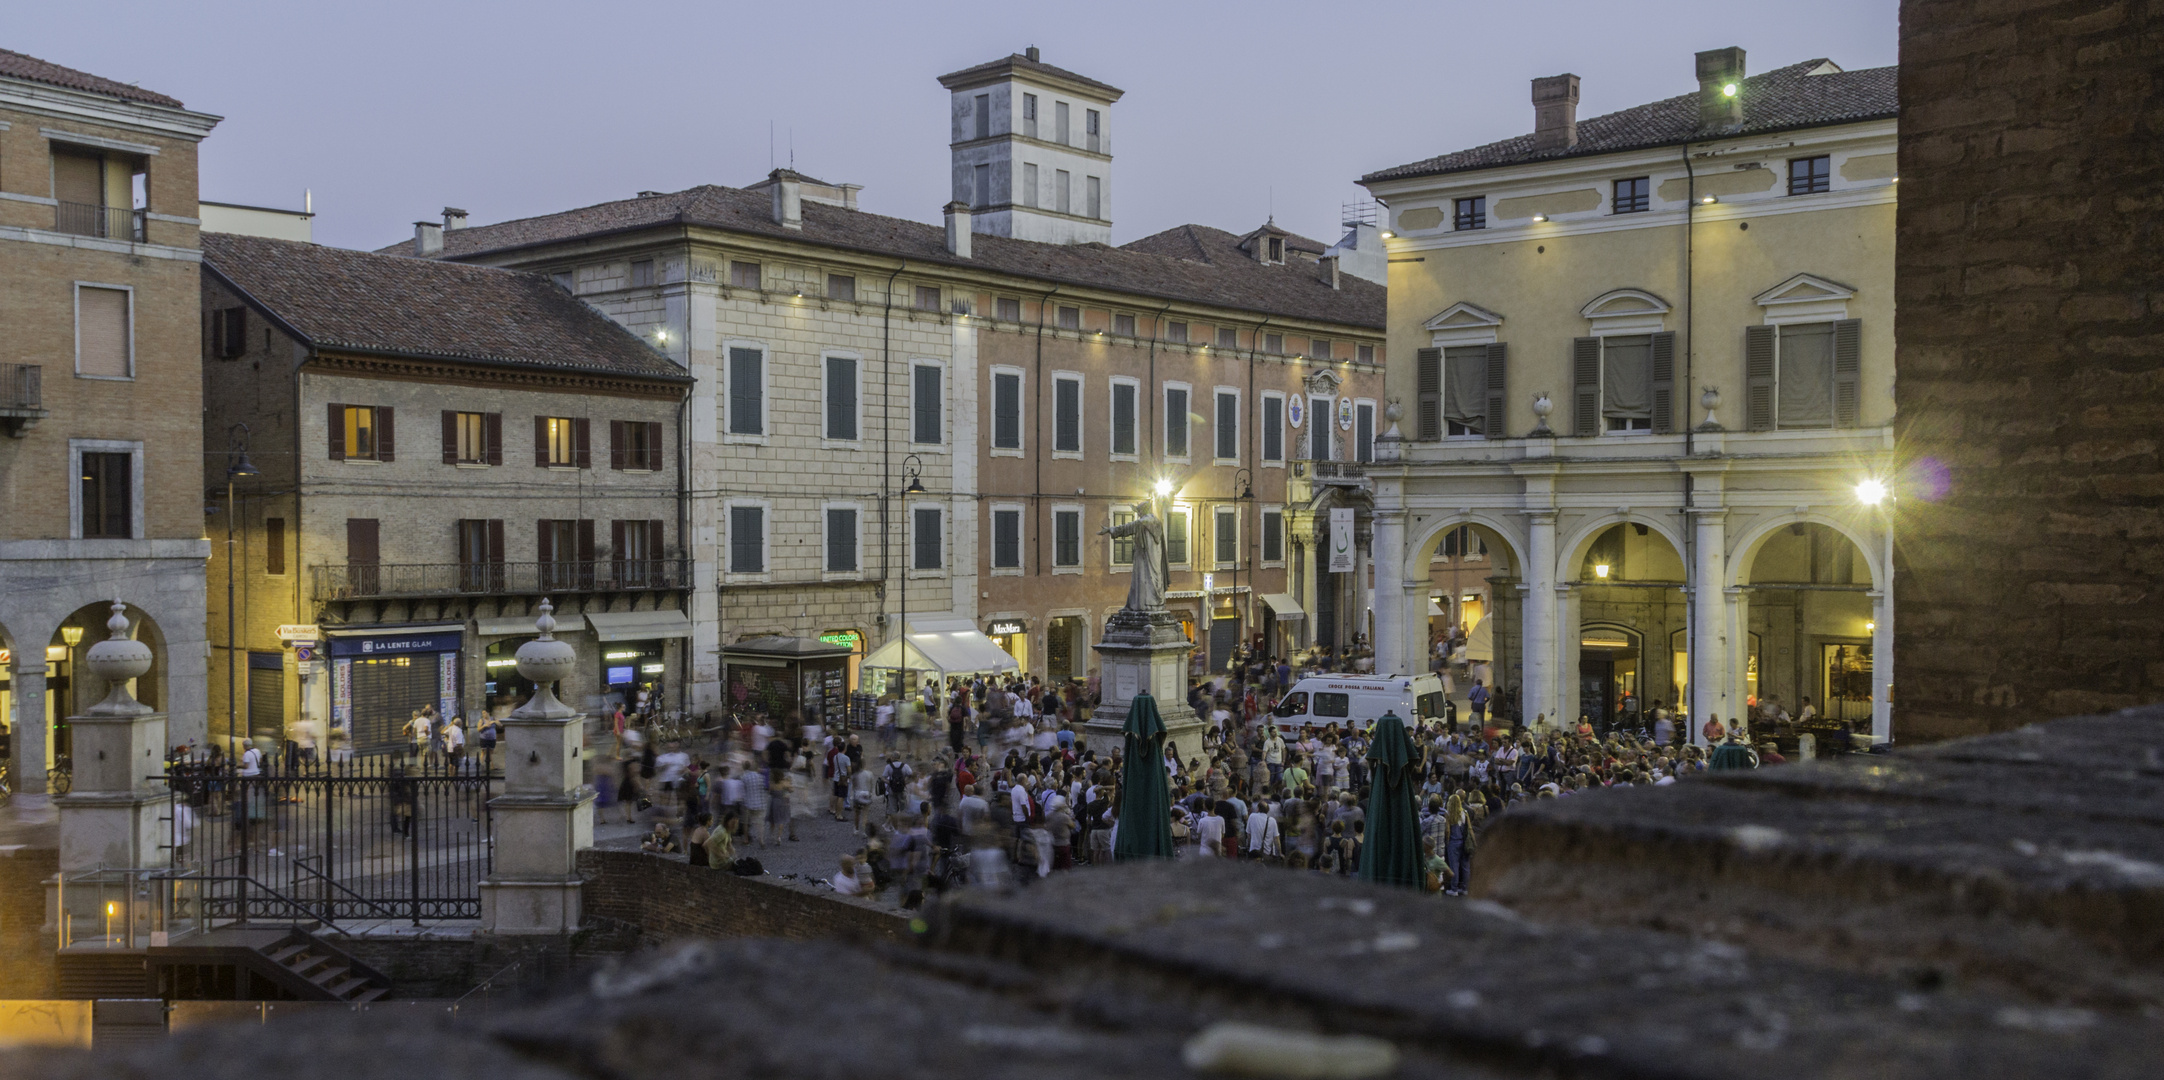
1033, 150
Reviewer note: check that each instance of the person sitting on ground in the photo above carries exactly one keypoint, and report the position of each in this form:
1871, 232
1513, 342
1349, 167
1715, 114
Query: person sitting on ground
845, 881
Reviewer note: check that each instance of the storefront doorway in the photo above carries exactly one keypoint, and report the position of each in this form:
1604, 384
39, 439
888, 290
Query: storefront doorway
1846, 681
625, 667
1009, 634
1608, 669
379, 679
1063, 650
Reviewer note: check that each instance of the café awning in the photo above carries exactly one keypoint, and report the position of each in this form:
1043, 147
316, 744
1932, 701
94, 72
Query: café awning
1480, 642
639, 625
943, 644
1284, 606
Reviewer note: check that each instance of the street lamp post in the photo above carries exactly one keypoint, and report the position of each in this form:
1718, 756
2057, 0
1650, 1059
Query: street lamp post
237, 438
1244, 479
1875, 494
912, 471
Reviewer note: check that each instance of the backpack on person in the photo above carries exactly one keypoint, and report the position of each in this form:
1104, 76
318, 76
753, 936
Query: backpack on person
746, 866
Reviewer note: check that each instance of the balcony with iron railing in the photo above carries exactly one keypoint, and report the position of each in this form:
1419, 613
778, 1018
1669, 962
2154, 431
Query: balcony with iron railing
389, 581
22, 398
104, 222
1345, 473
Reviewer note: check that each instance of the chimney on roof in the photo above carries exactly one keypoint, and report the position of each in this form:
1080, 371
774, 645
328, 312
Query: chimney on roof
1720, 88
453, 218
427, 238
958, 229
788, 192
1555, 112
1329, 264
1031, 52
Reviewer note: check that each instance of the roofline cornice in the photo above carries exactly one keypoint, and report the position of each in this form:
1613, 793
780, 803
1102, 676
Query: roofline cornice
1379, 185
1000, 72
365, 362
91, 107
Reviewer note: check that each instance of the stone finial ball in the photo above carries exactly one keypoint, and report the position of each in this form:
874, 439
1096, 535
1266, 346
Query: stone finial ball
118, 657
546, 660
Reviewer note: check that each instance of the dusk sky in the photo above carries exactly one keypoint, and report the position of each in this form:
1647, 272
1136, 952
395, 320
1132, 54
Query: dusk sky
392, 109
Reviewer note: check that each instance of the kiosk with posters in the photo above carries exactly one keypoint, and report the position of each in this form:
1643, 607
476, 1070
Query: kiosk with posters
380, 676
777, 675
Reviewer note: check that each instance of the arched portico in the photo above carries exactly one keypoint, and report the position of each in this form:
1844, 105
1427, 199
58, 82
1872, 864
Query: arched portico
1815, 585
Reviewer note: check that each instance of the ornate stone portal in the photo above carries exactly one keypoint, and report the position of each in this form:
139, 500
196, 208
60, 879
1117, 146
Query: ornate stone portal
1144, 651
544, 816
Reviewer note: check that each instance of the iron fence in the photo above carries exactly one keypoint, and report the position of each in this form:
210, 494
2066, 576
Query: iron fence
91, 219
365, 580
382, 838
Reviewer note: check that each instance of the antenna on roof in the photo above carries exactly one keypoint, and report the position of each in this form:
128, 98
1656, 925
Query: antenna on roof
770, 145
792, 148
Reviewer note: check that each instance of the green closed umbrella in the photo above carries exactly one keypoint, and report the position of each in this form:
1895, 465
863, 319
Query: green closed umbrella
1145, 799
1392, 853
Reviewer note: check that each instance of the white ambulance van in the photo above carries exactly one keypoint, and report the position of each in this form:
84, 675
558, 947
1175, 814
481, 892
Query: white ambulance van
1355, 701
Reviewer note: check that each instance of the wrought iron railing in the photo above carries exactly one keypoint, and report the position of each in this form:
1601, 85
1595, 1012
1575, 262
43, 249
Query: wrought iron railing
1330, 472
91, 219
360, 581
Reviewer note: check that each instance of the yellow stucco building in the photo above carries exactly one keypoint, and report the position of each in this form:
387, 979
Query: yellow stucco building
1651, 390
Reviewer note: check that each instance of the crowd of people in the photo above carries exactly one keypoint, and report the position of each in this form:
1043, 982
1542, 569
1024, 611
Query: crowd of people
995, 782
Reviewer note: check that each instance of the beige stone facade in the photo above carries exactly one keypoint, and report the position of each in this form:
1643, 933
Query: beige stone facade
98, 375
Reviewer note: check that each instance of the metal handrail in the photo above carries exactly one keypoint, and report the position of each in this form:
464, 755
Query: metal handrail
93, 219
302, 863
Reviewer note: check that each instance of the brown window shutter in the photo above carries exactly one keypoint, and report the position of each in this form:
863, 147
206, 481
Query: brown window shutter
493, 425
1758, 378
338, 433
653, 446
616, 445
450, 437
544, 541
617, 555
581, 451
1664, 381
1585, 386
1429, 365
1498, 372
541, 441
586, 552
495, 542
362, 542
1847, 373
386, 435
653, 540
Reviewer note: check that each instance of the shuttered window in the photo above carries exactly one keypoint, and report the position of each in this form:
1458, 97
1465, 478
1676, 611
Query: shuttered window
1123, 418
926, 406
1123, 547
1176, 536
1225, 533
841, 540
1273, 429
1067, 538
1175, 422
926, 539
1067, 416
1805, 375
101, 333
1319, 423
1498, 372
1006, 539
747, 540
747, 391
1006, 410
1228, 426
1363, 432
1273, 536
1428, 386
841, 397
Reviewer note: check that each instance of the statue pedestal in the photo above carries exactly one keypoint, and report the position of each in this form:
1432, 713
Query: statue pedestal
1144, 652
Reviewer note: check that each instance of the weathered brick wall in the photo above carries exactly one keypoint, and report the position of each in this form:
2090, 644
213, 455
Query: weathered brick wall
667, 898
26, 959
2031, 355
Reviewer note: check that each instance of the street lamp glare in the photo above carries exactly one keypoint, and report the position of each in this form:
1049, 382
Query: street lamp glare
1600, 570
1871, 492
1164, 486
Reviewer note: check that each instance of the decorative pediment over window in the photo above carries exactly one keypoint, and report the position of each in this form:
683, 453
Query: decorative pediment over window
1323, 382
1461, 314
1626, 311
1806, 298
1464, 324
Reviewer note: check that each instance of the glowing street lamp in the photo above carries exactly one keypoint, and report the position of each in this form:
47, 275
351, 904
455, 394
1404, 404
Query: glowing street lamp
1871, 492
1600, 570
1164, 486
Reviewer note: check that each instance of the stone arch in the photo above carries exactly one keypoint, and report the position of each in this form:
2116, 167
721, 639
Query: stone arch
1421, 549
1743, 552
1571, 550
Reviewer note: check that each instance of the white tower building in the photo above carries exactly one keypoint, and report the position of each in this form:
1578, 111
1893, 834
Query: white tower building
1032, 149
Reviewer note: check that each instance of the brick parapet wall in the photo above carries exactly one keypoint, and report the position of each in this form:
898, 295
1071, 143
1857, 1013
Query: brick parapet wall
2031, 359
26, 956
667, 898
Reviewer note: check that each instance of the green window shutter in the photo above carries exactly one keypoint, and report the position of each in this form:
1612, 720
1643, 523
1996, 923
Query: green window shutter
1758, 378
1585, 386
1429, 364
1847, 372
1664, 382
1498, 366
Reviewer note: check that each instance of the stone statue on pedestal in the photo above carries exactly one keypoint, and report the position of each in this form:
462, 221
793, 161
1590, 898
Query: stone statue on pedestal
1146, 581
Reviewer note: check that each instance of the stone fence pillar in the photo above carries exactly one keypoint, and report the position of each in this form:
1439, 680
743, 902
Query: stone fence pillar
544, 816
